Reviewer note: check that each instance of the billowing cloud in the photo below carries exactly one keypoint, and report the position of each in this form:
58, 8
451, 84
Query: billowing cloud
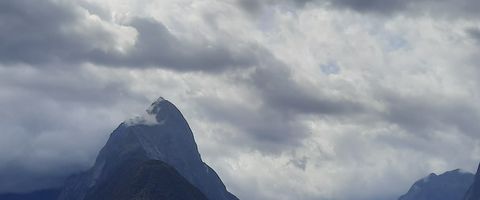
43, 32
65, 32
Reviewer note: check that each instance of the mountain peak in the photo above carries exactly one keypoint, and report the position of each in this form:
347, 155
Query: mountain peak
161, 134
156, 105
156, 114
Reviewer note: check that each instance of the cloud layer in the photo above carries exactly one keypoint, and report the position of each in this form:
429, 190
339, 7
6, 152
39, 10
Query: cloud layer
287, 99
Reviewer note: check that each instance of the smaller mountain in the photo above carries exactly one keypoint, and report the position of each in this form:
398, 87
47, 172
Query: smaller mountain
450, 185
473, 192
48, 194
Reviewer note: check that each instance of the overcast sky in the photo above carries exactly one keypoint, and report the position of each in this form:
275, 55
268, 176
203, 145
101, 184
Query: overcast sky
288, 99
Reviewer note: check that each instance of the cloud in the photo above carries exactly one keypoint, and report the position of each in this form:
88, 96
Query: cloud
474, 33
64, 32
307, 103
444, 8
411, 8
376, 6
46, 32
425, 115
59, 118
281, 91
157, 46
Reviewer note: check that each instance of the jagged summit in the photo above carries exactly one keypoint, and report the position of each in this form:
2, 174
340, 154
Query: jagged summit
156, 114
156, 106
161, 134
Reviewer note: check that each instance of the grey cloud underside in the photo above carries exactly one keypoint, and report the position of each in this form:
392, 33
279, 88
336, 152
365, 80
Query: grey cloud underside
34, 34
424, 115
444, 8
379, 6
474, 33
44, 32
277, 86
155, 46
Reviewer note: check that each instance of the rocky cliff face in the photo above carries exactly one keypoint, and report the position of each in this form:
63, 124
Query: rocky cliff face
450, 185
145, 180
160, 134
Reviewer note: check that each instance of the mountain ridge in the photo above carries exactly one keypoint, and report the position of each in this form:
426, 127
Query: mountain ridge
450, 185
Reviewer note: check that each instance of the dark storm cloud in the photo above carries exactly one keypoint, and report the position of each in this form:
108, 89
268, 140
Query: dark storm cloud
377, 6
252, 6
279, 90
255, 7
425, 115
36, 32
443, 8
474, 33
44, 32
156, 45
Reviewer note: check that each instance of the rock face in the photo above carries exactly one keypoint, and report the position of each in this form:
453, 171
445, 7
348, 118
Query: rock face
152, 179
50, 194
161, 134
450, 185
473, 192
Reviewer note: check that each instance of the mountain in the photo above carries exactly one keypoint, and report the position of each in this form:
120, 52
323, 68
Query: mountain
450, 185
473, 192
49, 194
161, 134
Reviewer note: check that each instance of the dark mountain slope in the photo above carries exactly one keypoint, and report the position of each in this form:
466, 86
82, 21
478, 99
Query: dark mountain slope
145, 180
473, 192
50, 194
450, 185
